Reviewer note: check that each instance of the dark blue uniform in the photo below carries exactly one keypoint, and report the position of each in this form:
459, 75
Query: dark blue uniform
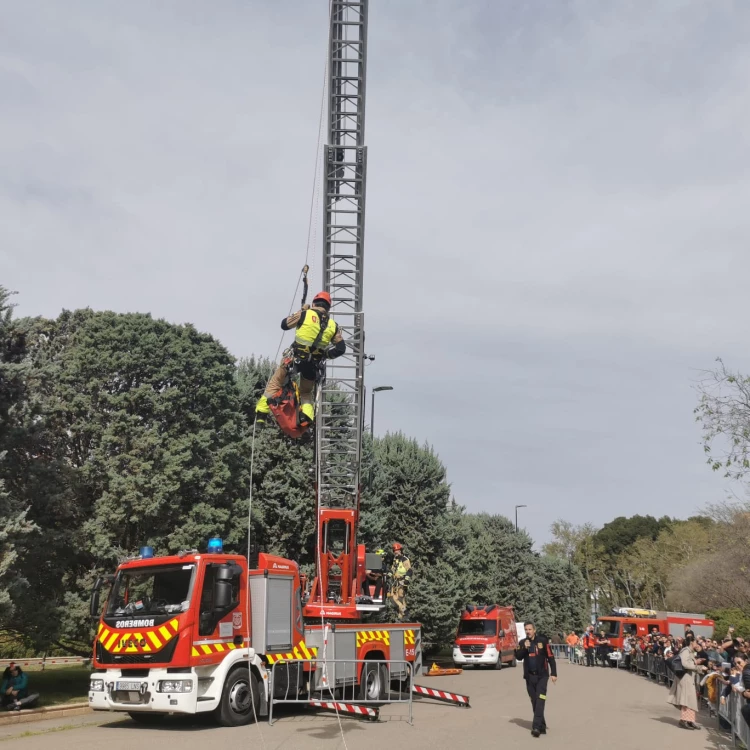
538, 663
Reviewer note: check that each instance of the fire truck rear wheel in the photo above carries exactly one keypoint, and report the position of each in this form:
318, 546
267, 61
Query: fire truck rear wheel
241, 690
373, 685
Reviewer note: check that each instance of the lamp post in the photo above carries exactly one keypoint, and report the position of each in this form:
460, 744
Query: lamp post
517, 507
372, 406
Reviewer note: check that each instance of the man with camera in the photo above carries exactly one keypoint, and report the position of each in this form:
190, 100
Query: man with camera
538, 662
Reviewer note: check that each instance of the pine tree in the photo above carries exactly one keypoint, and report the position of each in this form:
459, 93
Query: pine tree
141, 443
14, 524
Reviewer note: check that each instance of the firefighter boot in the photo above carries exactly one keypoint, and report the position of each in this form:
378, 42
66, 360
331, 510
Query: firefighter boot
262, 411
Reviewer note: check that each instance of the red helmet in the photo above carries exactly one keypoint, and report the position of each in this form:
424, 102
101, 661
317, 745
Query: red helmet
322, 297
397, 546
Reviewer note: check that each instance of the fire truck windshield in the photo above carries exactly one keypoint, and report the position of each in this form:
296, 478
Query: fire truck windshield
477, 627
151, 591
611, 628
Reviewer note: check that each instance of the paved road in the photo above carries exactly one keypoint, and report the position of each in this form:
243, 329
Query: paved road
588, 709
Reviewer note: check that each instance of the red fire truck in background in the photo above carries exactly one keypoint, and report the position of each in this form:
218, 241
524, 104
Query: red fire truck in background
627, 621
486, 636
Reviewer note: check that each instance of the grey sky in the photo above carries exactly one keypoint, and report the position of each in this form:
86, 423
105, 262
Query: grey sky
557, 213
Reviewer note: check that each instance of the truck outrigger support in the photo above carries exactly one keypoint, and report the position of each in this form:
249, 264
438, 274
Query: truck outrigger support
441, 695
350, 709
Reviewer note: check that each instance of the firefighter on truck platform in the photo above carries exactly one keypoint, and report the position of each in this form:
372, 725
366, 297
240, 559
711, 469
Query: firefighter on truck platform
401, 574
538, 662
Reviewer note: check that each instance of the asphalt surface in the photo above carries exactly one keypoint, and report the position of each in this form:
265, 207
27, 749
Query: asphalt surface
588, 709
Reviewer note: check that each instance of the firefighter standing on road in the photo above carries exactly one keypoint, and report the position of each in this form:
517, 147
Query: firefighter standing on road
401, 574
538, 663
589, 645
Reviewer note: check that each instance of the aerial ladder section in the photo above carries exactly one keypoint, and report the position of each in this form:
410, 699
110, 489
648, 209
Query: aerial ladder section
341, 395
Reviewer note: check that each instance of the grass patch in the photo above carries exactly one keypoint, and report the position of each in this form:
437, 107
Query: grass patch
68, 684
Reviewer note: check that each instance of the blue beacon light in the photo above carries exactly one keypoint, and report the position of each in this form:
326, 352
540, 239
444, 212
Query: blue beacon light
147, 552
215, 545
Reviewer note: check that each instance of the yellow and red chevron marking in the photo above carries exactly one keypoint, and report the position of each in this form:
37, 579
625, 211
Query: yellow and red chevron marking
409, 639
301, 651
205, 649
137, 641
365, 636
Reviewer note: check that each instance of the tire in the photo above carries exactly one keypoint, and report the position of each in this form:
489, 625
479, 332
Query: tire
513, 662
236, 705
140, 717
373, 684
499, 664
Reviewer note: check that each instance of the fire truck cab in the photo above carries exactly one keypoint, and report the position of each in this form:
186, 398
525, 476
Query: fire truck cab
486, 636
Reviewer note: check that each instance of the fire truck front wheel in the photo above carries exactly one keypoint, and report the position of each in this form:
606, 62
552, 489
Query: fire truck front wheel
373, 684
240, 699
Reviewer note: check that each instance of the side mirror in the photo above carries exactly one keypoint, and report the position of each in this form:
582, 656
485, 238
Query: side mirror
94, 605
225, 575
501, 633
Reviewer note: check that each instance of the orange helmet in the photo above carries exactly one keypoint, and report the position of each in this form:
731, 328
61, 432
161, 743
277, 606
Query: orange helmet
397, 546
322, 297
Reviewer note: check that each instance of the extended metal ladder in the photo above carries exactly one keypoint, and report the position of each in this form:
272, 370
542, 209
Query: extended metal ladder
341, 398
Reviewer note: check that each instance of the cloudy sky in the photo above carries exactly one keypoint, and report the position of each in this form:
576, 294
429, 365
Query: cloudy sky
557, 230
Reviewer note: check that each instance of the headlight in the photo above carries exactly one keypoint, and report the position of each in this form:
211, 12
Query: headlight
97, 685
175, 686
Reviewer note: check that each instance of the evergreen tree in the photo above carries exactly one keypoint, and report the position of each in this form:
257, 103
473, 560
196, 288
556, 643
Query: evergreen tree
14, 525
141, 443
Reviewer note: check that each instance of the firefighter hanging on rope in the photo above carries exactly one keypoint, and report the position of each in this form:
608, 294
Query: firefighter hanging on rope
317, 338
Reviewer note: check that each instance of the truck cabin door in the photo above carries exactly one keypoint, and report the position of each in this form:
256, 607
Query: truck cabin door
503, 633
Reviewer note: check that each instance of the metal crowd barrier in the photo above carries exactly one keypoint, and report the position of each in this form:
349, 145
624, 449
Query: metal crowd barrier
731, 712
334, 681
654, 667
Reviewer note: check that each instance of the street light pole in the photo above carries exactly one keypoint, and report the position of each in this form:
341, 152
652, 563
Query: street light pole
372, 406
517, 507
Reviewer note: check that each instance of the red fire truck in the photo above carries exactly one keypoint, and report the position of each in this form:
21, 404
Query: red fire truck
486, 636
628, 621
195, 633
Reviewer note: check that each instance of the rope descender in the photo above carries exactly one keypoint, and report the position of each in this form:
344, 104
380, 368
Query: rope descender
305, 269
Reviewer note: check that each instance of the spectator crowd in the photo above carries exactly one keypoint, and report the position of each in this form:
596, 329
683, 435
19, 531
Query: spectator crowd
717, 666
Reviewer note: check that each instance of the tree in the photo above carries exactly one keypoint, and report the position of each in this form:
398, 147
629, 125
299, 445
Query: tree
409, 501
567, 539
723, 412
141, 442
716, 577
617, 535
14, 524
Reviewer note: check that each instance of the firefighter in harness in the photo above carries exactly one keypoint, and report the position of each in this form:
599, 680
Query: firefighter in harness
317, 338
401, 573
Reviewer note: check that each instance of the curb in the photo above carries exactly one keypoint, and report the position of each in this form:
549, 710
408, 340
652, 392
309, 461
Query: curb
39, 714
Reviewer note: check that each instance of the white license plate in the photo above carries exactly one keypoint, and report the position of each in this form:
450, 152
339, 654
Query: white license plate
128, 686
